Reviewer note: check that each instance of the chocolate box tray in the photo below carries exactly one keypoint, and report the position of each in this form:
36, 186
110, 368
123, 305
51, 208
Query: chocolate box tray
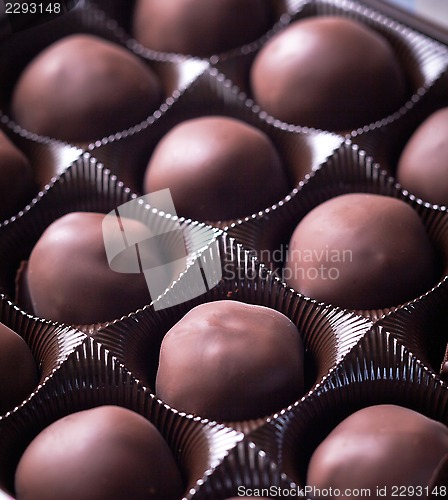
353, 359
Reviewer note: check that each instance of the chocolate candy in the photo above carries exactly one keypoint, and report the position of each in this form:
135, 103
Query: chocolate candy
199, 27
83, 88
422, 168
217, 168
16, 183
328, 72
68, 278
361, 251
229, 361
382, 446
18, 370
106, 452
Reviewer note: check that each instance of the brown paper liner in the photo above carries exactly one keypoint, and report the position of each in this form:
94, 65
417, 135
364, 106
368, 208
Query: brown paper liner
85, 186
350, 369
279, 8
348, 170
22, 47
49, 156
426, 62
423, 59
51, 345
328, 333
211, 93
421, 326
91, 377
378, 370
246, 469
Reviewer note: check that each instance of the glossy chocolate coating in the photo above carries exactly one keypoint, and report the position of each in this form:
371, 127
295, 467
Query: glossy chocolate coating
18, 370
229, 361
361, 251
328, 72
423, 167
83, 88
200, 27
16, 182
217, 168
103, 453
380, 446
68, 277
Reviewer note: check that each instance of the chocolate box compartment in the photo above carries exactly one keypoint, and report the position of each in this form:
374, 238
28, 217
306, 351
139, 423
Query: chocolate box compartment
386, 141
347, 381
378, 370
48, 157
122, 13
16, 52
348, 170
424, 60
233, 476
90, 377
421, 327
328, 333
85, 186
49, 343
213, 94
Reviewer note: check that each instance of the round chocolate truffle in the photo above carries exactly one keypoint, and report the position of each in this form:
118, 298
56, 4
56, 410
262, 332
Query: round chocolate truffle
423, 168
18, 370
107, 452
68, 277
316, 73
16, 182
199, 27
361, 251
229, 361
217, 168
83, 88
380, 446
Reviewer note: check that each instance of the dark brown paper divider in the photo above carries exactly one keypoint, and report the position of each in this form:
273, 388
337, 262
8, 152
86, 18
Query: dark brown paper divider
48, 157
211, 93
348, 170
378, 370
352, 368
51, 345
90, 377
424, 61
22, 47
386, 141
421, 327
49, 342
85, 186
246, 469
122, 15
51, 156
328, 333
